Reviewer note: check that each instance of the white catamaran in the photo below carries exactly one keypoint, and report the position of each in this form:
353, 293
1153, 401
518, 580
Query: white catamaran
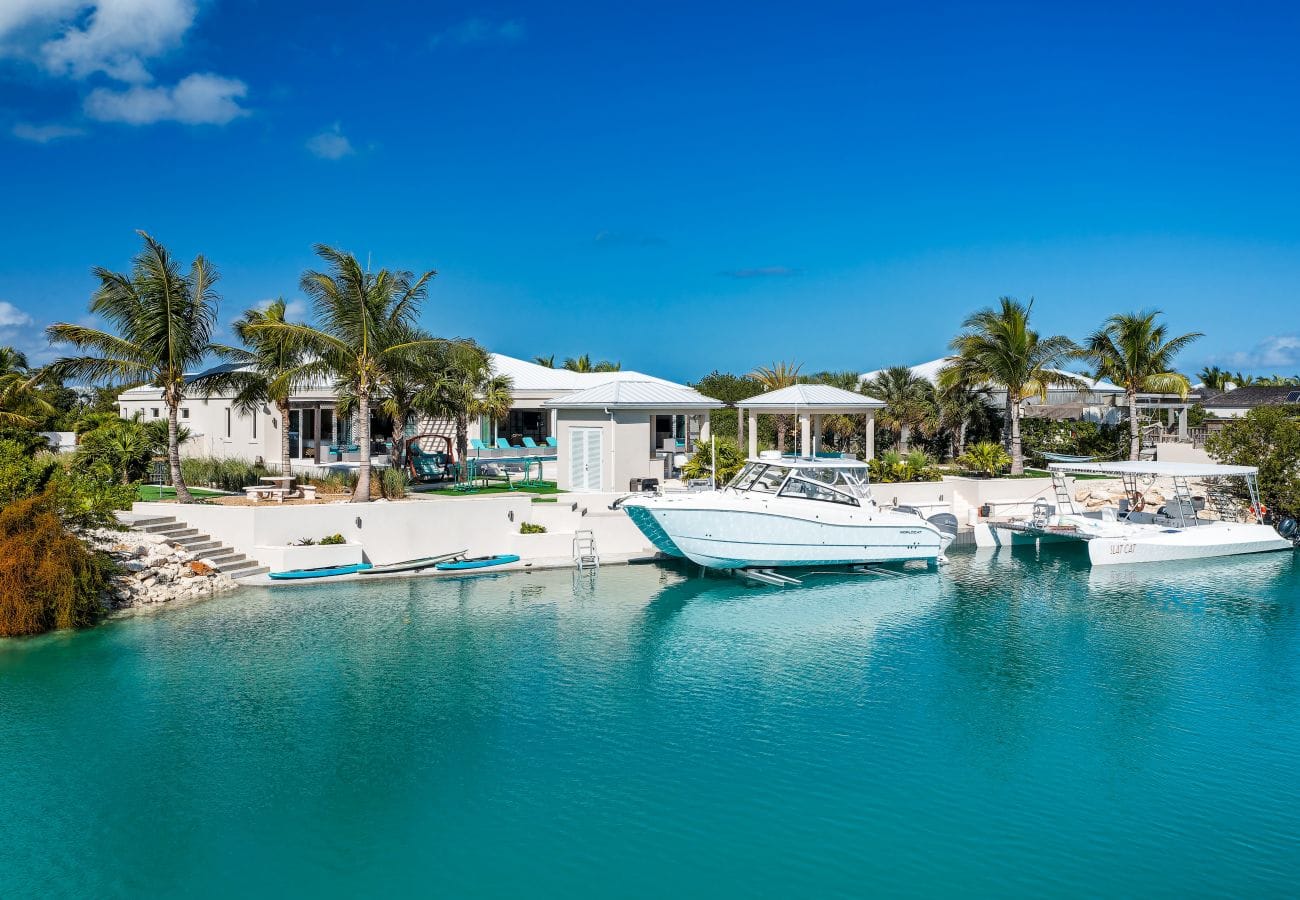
1131, 532
785, 511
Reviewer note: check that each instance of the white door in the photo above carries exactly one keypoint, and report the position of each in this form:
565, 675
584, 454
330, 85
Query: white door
585, 459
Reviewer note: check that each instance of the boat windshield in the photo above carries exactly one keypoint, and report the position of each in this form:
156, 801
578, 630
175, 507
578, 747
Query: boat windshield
835, 484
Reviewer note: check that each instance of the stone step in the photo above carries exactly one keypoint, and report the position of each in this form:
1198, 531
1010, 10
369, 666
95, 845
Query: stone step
222, 558
160, 529
178, 534
140, 524
248, 573
189, 541
201, 547
240, 569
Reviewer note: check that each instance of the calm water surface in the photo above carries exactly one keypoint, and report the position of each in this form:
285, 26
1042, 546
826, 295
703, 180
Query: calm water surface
1011, 726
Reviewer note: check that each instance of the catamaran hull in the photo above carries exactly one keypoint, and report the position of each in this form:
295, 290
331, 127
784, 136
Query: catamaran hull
1189, 543
735, 539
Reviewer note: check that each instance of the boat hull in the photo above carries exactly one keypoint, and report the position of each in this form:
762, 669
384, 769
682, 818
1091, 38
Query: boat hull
1201, 542
767, 536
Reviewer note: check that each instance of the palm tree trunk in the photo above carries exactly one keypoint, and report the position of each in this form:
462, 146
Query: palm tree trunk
462, 442
1006, 422
174, 449
399, 439
362, 493
961, 437
282, 407
904, 432
1017, 453
1134, 427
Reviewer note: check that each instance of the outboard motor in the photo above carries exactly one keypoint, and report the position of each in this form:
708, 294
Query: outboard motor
945, 522
1289, 529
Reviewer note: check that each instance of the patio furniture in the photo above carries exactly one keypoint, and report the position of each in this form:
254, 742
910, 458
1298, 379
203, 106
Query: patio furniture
477, 444
552, 442
530, 444
503, 444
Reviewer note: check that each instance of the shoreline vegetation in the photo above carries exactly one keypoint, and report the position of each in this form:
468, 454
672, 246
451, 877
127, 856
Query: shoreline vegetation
157, 320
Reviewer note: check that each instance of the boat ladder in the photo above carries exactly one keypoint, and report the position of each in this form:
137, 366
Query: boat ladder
585, 555
1219, 499
1064, 499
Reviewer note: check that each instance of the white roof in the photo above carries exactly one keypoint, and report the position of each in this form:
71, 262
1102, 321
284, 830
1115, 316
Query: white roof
529, 376
629, 394
930, 372
810, 396
1142, 467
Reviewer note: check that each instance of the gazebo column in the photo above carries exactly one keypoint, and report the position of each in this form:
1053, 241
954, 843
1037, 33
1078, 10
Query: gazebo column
1182, 423
869, 444
740, 427
805, 436
706, 428
817, 434
753, 433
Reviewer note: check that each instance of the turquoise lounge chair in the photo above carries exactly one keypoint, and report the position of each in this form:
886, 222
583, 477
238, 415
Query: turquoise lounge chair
552, 442
530, 444
477, 444
503, 444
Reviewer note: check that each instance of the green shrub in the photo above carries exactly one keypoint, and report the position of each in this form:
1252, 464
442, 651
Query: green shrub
391, 481
1267, 437
892, 467
333, 540
531, 528
221, 474
729, 456
986, 457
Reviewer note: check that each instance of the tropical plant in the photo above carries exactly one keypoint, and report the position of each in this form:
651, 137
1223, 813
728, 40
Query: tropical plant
365, 334
1267, 437
958, 407
725, 451
545, 361
163, 319
464, 386
988, 458
892, 467
1213, 377
1136, 353
265, 371
773, 378
20, 402
222, 473
332, 540
998, 348
730, 389
909, 403
583, 363
531, 528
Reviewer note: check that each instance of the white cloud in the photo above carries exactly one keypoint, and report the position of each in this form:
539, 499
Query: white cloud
13, 317
294, 310
200, 99
1279, 352
330, 144
119, 39
44, 134
482, 31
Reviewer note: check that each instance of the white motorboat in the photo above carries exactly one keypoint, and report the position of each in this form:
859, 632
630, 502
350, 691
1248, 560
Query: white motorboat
785, 511
1179, 529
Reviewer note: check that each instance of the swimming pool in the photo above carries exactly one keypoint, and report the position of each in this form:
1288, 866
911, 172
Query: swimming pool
1008, 726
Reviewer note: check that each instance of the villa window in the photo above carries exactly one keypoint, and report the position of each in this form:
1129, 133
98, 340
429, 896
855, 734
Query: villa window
185, 413
327, 425
253, 418
154, 411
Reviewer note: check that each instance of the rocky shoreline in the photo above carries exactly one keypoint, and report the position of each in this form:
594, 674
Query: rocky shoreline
152, 571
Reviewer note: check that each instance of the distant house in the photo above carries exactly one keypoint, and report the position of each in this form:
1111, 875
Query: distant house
1235, 403
1098, 401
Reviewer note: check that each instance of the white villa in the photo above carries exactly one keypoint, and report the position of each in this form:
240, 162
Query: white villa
627, 424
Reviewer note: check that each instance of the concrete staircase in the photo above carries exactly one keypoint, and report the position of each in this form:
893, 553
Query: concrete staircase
214, 553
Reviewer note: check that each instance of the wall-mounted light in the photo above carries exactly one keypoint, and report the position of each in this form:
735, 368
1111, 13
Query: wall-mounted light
511, 515
358, 521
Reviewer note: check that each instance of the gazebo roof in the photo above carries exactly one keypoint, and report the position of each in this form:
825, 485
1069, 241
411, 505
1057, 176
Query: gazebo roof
817, 398
636, 395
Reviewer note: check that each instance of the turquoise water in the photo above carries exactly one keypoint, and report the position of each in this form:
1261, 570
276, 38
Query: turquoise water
1010, 726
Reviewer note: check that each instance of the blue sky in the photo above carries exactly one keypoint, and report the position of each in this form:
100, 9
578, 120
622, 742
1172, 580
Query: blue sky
678, 186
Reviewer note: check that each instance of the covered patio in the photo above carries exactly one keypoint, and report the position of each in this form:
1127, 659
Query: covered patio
809, 404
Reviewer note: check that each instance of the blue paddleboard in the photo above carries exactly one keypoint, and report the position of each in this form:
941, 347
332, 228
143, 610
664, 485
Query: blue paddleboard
478, 562
323, 572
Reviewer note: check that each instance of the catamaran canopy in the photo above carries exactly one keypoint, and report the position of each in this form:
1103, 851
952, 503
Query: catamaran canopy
1142, 467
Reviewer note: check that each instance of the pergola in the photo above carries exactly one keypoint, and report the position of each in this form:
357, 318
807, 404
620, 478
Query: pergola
809, 403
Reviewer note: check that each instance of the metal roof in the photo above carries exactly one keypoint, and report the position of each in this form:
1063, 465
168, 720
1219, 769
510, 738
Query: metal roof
1141, 467
529, 376
628, 394
810, 397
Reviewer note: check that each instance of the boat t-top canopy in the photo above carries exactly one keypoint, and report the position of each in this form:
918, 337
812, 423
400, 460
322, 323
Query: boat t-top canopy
1144, 467
772, 458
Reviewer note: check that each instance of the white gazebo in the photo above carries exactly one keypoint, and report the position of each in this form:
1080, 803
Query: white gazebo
809, 403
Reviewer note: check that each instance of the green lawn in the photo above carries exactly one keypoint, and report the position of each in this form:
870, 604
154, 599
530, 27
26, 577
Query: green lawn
167, 492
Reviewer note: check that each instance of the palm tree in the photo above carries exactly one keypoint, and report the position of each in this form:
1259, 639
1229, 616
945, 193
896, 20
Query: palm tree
266, 370
465, 387
998, 348
366, 334
583, 363
958, 406
547, 361
773, 378
909, 402
1136, 353
18, 397
1213, 377
164, 320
